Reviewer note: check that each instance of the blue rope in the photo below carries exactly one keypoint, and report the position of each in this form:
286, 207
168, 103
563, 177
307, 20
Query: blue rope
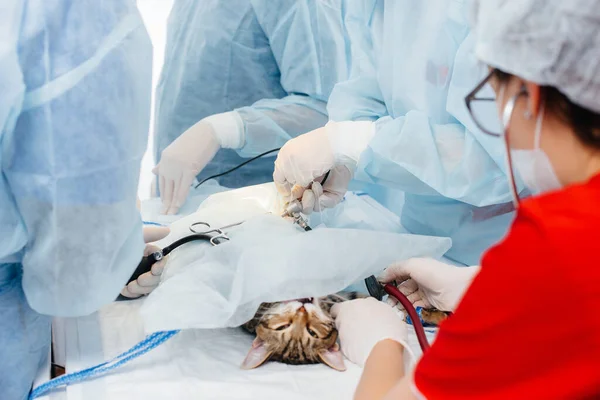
150, 342
152, 223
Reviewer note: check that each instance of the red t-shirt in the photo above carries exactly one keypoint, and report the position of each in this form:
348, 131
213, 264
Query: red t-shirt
529, 325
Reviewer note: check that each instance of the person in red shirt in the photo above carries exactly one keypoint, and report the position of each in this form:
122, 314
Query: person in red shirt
527, 324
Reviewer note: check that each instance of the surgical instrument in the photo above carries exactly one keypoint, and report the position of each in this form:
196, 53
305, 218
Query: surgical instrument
293, 210
220, 234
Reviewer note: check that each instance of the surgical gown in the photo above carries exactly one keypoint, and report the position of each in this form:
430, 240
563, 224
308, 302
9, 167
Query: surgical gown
412, 66
274, 62
75, 89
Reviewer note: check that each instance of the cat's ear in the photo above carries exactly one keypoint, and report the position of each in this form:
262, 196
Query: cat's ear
257, 355
333, 358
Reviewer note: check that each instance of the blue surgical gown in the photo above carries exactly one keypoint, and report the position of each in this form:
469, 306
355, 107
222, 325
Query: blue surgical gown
75, 89
412, 66
274, 62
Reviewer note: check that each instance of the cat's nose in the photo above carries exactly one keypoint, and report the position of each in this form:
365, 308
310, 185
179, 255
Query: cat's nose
302, 310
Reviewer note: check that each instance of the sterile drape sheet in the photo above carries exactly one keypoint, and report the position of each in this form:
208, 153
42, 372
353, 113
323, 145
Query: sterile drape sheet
270, 259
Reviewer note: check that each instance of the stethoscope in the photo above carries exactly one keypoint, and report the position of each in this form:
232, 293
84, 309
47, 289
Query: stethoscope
378, 290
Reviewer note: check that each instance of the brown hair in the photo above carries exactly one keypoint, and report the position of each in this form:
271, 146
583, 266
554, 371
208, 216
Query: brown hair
585, 123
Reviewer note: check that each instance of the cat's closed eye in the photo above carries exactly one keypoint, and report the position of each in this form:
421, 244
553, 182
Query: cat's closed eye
282, 327
312, 333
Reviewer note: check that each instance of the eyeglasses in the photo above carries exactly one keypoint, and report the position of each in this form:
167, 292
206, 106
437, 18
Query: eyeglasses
481, 104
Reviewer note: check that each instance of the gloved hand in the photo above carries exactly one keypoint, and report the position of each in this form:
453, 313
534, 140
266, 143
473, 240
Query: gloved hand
304, 161
318, 197
147, 282
363, 323
429, 283
181, 161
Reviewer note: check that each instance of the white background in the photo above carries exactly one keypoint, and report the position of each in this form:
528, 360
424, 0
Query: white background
154, 13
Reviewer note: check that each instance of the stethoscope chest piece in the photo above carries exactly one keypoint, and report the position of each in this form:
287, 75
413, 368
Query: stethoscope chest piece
374, 288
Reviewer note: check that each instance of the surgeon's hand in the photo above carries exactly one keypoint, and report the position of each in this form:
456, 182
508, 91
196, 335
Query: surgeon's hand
363, 323
327, 195
303, 162
181, 161
430, 283
147, 282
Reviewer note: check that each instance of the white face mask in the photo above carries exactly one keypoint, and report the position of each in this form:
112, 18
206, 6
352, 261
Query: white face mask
533, 165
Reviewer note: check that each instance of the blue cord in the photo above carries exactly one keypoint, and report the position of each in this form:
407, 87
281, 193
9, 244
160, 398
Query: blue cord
152, 223
150, 342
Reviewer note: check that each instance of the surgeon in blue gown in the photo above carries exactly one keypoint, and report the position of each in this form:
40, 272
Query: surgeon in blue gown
75, 89
400, 126
241, 77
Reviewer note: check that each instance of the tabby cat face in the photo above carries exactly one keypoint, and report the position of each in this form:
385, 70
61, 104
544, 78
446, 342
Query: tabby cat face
295, 332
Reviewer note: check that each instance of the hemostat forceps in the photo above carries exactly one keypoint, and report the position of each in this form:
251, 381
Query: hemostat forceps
204, 228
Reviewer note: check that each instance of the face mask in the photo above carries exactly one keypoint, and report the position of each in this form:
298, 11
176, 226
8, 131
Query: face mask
533, 165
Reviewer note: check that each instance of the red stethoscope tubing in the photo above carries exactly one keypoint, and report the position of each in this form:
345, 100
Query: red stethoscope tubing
410, 309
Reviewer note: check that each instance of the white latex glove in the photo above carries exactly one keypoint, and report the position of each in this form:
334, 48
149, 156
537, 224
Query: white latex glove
187, 156
363, 323
318, 197
304, 161
147, 282
430, 283
181, 161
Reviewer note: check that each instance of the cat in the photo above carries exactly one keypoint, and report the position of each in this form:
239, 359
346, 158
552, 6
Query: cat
297, 332
433, 316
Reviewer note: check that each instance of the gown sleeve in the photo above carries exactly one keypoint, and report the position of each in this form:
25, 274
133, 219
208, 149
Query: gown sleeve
412, 151
72, 161
309, 47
